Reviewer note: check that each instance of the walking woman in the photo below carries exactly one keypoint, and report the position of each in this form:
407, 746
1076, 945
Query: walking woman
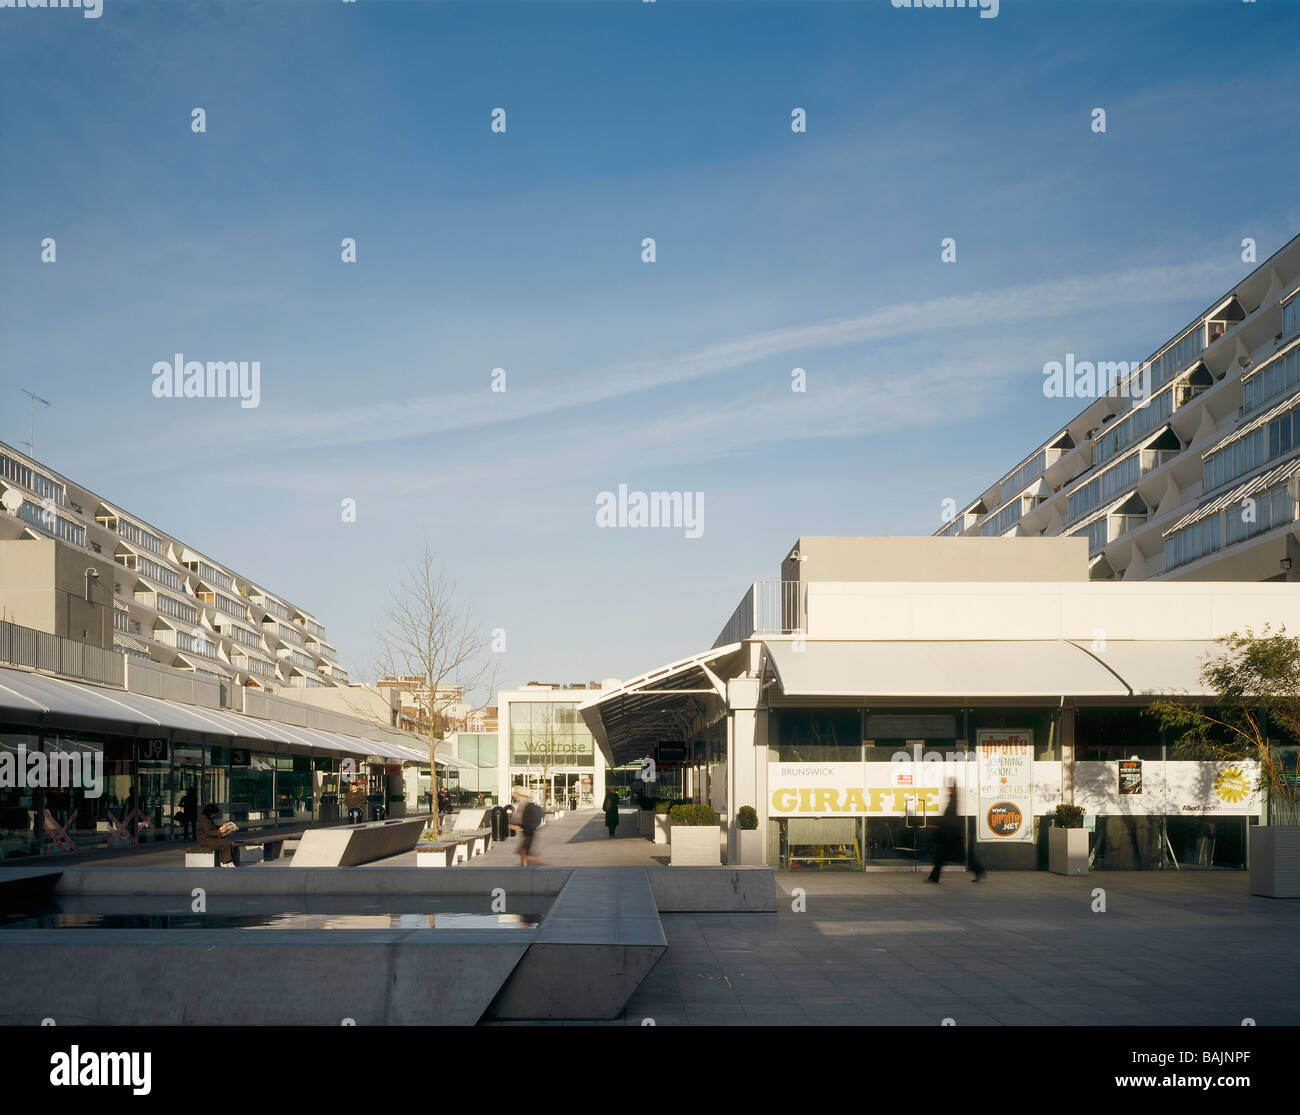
611, 811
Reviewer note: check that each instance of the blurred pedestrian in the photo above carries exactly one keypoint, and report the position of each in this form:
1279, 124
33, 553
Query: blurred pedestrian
950, 840
526, 820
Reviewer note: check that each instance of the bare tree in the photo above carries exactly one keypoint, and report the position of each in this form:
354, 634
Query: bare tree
431, 632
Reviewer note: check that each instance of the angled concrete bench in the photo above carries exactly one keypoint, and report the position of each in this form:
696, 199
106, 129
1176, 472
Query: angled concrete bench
350, 845
597, 942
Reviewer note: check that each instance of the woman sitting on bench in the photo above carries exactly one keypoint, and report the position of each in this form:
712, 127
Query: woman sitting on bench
212, 835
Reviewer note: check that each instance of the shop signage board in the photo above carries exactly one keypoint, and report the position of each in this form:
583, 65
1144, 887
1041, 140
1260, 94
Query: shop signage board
1177, 788
865, 789
1130, 776
1006, 785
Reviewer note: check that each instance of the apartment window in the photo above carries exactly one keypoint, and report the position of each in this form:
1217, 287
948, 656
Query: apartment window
1138, 424
1096, 533
177, 609
1235, 460
1291, 317
1270, 381
29, 478
1175, 358
49, 523
1284, 434
121, 620
194, 645
1260, 513
1025, 475
139, 536
248, 638
1003, 520
1193, 542
1114, 480
159, 574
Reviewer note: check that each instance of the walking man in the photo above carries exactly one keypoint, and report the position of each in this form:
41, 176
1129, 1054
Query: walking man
526, 820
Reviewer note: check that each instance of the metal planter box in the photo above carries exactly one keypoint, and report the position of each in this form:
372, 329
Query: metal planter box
1067, 851
1275, 861
696, 846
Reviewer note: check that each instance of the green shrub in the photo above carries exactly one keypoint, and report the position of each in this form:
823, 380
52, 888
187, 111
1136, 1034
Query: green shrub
1068, 816
694, 815
662, 807
747, 817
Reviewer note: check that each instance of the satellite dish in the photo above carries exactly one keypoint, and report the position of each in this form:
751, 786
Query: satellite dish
12, 500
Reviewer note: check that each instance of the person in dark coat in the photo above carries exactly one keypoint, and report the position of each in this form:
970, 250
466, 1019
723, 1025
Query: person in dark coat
188, 814
611, 811
950, 840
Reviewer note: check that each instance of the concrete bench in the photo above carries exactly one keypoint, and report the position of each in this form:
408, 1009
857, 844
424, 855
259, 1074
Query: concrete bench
252, 849
349, 845
452, 849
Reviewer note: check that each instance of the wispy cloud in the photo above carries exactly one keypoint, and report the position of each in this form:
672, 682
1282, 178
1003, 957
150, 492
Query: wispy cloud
1056, 301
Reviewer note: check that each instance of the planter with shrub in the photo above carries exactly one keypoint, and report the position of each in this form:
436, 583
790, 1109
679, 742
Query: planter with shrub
662, 823
1067, 842
696, 836
646, 818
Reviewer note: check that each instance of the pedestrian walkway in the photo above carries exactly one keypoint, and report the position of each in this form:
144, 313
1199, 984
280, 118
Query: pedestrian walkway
580, 839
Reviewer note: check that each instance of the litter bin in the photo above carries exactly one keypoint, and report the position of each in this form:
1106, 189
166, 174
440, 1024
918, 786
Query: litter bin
498, 823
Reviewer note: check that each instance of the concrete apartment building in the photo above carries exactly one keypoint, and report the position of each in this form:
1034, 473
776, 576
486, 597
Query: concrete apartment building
1193, 475
120, 641
74, 565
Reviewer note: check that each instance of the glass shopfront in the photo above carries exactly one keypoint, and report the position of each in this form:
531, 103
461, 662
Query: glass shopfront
837, 802
552, 753
139, 791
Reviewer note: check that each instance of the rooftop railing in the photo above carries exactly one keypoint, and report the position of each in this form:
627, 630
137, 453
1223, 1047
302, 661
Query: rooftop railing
767, 608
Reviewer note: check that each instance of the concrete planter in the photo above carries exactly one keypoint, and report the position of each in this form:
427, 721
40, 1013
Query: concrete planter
663, 825
1067, 851
439, 858
749, 846
697, 846
1275, 861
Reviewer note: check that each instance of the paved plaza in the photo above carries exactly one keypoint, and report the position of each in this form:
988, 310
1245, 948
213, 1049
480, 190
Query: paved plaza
885, 948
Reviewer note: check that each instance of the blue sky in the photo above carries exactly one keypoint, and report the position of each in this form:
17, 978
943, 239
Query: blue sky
522, 251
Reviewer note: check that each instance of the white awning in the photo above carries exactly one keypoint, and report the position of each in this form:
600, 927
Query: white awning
1048, 668
1157, 667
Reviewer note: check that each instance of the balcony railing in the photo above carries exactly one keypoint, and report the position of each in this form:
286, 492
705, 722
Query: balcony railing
767, 608
24, 646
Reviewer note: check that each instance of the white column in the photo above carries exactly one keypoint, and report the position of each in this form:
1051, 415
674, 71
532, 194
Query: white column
742, 730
